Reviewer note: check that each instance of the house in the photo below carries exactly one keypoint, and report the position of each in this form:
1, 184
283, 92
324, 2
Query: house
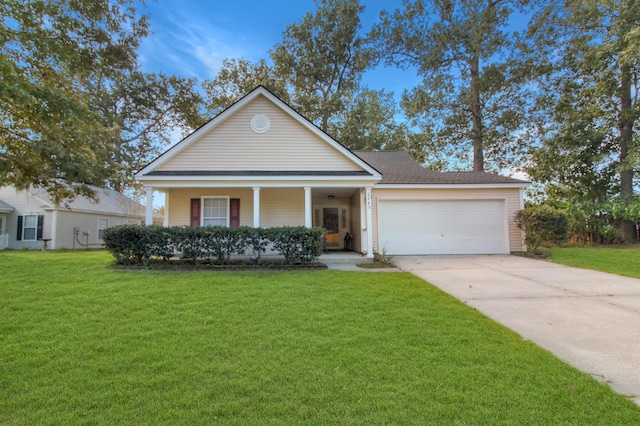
260, 163
31, 219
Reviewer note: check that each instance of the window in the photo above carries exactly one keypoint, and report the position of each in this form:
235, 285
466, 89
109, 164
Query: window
102, 225
30, 227
215, 211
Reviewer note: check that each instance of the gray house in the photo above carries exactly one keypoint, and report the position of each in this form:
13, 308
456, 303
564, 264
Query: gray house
31, 219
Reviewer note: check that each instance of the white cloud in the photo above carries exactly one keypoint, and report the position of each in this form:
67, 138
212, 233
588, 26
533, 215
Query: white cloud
186, 44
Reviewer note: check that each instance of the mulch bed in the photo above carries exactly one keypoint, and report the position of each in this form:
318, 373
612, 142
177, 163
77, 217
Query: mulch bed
207, 265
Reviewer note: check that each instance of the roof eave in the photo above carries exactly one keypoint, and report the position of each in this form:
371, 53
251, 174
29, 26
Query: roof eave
453, 185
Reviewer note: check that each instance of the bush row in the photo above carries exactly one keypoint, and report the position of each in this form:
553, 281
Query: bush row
137, 244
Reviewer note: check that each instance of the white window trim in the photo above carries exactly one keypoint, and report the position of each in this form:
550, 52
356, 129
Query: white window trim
102, 229
24, 227
226, 198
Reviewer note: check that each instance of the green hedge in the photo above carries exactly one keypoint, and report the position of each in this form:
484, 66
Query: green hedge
542, 225
137, 244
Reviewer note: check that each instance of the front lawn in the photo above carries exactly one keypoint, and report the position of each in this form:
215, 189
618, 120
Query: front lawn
84, 344
616, 260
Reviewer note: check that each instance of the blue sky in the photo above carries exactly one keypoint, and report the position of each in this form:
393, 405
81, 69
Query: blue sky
191, 37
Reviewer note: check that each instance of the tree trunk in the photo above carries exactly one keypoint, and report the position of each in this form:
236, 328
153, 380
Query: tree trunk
476, 116
626, 227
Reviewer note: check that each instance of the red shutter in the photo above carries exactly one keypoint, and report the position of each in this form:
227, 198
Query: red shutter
195, 212
234, 211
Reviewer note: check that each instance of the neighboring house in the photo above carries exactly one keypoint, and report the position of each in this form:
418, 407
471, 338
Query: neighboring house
30, 218
260, 163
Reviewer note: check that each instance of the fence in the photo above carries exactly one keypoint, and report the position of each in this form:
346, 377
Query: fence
4, 241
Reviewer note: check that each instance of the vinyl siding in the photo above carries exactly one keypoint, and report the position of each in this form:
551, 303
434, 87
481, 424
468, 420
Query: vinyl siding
278, 206
179, 201
25, 204
85, 222
281, 207
510, 195
286, 146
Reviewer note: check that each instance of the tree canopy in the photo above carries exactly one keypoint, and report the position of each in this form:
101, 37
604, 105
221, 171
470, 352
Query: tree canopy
74, 107
322, 59
589, 150
468, 99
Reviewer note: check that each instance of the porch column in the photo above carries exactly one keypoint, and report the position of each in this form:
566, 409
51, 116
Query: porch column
367, 199
256, 207
149, 210
307, 207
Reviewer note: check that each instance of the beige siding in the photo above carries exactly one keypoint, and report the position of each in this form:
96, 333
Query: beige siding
61, 235
180, 203
281, 207
286, 146
510, 195
85, 222
278, 206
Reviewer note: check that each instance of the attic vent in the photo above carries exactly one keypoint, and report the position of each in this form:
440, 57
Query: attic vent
260, 123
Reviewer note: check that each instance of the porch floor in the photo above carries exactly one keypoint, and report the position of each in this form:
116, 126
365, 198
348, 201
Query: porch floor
343, 257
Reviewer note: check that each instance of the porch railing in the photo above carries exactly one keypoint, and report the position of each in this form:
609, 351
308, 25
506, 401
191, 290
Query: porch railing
4, 241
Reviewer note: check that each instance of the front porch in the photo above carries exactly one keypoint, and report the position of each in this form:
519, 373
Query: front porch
344, 211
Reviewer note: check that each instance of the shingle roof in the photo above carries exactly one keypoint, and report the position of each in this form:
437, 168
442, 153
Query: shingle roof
399, 167
109, 202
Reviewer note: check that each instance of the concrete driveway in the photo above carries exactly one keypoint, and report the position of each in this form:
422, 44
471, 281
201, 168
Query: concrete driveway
589, 319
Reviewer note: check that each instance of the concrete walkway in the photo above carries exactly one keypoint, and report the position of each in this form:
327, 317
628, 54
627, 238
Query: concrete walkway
589, 319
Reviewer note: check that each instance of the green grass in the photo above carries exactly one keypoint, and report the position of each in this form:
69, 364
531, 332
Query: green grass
617, 260
84, 344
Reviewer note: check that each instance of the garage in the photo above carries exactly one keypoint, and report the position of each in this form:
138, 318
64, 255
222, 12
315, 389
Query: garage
413, 227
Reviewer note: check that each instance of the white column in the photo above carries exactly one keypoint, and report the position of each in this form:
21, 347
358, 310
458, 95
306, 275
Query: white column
367, 201
149, 211
307, 208
256, 207
54, 229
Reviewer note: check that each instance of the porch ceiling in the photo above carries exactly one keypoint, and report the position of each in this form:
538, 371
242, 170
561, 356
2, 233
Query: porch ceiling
336, 192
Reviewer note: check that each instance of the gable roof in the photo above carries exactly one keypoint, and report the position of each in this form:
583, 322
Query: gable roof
170, 163
5, 208
108, 202
399, 167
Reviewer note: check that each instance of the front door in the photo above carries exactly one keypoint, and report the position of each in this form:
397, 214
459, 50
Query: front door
335, 220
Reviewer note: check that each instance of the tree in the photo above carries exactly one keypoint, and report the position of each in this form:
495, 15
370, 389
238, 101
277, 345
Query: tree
75, 108
369, 124
368, 121
590, 137
471, 81
236, 78
140, 112
322, 59
50, 51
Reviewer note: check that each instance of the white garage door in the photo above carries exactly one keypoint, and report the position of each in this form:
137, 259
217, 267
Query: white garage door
442, 227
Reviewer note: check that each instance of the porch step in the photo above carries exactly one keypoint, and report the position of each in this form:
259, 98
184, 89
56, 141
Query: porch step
342, 257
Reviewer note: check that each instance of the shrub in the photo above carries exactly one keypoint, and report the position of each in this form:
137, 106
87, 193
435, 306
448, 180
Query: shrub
542, 225
297, 243
128, 243
160, 242
136, 244
191, 242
